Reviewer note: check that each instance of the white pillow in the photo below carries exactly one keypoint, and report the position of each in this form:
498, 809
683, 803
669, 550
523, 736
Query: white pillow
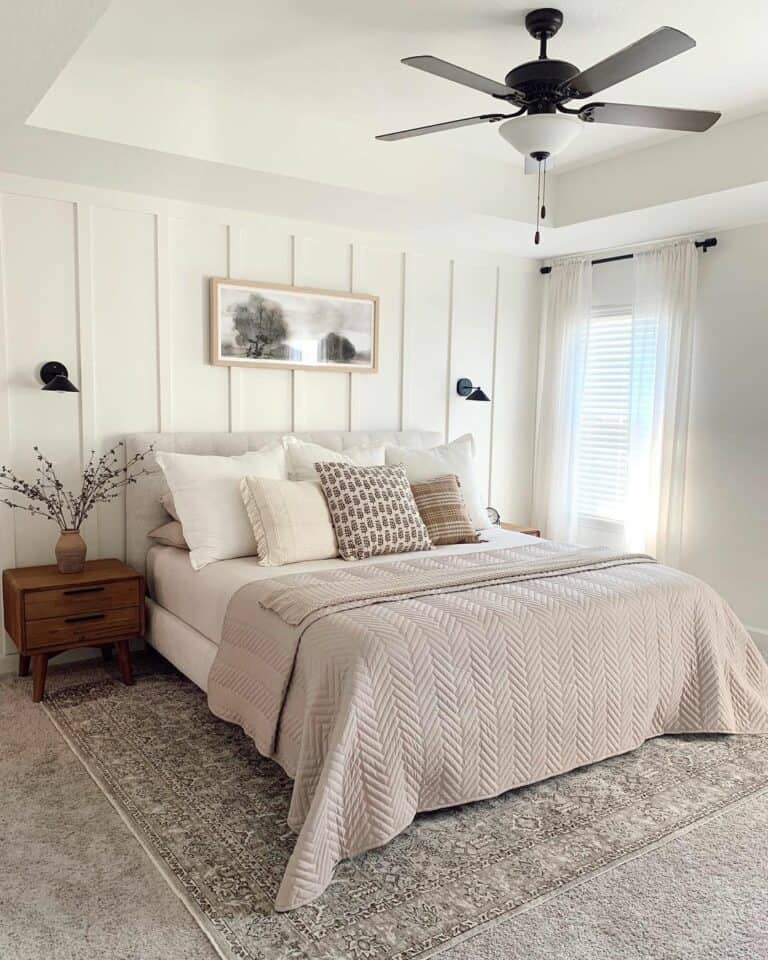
457, 457
206, 495
167, 503
290, 520
302, 457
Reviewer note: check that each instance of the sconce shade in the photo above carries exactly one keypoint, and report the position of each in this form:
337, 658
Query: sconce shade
55, 376
479, 394
465, 388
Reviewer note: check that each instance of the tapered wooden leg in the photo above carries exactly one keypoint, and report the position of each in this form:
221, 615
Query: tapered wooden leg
106, 653
124, 662
39, 670
23, 665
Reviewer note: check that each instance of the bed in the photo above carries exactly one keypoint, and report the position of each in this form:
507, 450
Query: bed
189, 649
413, 682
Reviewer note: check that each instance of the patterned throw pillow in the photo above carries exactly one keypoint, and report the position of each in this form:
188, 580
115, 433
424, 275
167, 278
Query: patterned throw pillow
443, 511
372, 509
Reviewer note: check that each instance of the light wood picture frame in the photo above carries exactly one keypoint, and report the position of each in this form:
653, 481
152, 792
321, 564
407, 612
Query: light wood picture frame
259, 324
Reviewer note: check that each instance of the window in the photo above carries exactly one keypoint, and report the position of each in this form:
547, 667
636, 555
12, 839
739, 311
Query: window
613, 424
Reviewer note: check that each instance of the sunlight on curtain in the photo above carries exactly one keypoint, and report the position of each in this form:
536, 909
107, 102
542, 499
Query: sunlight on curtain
561, 371
665, 297
614, 397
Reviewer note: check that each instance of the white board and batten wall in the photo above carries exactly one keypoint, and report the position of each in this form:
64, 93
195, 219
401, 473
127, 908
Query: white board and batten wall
116, 287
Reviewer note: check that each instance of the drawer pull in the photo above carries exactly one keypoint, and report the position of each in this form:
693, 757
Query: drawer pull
84, 617
75, 590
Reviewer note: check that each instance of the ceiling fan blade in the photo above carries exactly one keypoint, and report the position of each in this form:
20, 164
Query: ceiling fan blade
661, 118
449, 71
437, 127
661, 45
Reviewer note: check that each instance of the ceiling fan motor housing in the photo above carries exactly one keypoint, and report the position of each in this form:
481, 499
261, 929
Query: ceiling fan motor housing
541, 81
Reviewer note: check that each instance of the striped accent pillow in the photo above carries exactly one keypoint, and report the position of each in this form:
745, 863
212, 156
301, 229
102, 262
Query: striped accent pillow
442, 508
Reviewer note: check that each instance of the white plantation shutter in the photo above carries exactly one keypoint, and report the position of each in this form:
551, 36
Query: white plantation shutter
613, 423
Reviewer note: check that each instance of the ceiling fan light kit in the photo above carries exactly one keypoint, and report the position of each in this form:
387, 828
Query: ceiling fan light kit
541, 133
541, 125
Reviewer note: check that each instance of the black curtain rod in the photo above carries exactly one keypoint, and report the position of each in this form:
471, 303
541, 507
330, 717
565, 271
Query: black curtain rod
703, 245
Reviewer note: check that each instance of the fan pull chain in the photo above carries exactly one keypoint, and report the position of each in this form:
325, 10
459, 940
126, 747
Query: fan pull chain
544, 192
537, 235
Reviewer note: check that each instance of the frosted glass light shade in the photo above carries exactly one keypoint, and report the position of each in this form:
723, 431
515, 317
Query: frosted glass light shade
541, 132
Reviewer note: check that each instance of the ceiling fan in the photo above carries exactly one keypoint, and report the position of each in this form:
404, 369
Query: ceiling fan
540, 90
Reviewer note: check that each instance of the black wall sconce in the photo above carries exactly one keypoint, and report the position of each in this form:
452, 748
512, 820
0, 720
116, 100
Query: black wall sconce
465, 388
55, 376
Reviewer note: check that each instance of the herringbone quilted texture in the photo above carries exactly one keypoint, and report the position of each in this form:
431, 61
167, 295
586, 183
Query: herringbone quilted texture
427, 697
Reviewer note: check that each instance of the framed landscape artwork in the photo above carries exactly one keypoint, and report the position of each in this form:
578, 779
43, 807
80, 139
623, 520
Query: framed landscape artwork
273, 325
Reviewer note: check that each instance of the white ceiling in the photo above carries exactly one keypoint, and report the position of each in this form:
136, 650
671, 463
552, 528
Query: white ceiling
273, 108
290, 86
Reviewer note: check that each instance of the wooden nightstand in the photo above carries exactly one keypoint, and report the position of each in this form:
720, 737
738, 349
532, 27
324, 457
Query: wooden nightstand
531, 531
47, 612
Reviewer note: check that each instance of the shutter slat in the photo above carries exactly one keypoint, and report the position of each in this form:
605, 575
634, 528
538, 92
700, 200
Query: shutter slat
615, 355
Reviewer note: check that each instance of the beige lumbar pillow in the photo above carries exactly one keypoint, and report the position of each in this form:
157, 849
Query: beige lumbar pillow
290, 520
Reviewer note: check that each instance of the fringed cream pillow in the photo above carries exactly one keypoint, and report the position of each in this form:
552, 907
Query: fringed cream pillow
290, 520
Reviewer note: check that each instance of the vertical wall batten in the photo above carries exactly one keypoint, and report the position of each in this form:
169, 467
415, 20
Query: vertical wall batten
7, 525
86, 374
401, 365
293, 372
234, 246
376, 397
265, 395
493, 381
350, 383
322, 397
164, 335
425, 341
449, 356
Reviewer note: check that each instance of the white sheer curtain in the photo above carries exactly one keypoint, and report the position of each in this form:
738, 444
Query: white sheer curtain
614, 391
663, 311
561, 372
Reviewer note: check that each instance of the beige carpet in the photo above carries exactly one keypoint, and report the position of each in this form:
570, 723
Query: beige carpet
521, 876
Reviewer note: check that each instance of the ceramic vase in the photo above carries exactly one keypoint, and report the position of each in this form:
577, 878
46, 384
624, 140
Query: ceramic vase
70, 552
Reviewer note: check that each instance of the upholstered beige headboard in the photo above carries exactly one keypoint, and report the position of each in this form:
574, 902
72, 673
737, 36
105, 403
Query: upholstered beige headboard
142, 499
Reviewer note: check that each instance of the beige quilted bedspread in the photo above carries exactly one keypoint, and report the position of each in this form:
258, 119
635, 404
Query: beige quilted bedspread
440, 680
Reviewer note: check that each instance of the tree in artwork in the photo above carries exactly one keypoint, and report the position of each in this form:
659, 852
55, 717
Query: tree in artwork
335, 348
260, 328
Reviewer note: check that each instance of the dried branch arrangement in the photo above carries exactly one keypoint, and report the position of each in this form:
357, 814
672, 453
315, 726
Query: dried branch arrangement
103, 479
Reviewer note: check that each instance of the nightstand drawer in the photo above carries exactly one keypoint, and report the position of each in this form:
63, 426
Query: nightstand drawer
83, 627
87, 598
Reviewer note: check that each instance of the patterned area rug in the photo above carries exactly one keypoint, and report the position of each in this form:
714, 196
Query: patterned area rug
211, 813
